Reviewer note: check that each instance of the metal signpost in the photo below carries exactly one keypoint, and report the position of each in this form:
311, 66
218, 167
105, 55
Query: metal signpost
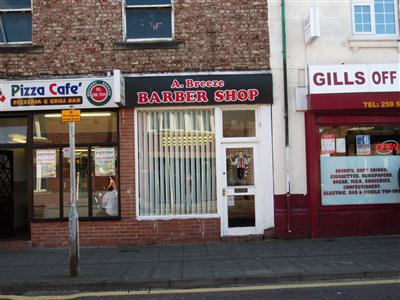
71, 117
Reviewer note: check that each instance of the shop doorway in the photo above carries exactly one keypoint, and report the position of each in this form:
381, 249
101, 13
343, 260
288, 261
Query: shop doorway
244, 167
14, 221
6, 194
240, 193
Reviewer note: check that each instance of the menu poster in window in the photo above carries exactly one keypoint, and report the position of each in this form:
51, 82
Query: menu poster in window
360, 180
341, 145
104, 160
328, 143
46, 164
363, 144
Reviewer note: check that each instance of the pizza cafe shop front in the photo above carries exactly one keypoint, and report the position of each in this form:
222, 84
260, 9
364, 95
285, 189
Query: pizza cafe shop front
34, 152
204, 149
353, 155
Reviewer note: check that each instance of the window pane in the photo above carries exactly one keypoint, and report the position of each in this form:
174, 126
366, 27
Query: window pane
390, 29
390, 18
360, 164
362, 18
17, 26
104, 188
358, 18
7, 4
94, 127
239, 166
13, 130
82, 181
147, 2
380, 18
148, 23
389, 7
46, 196
367, 27
239, 123
241, 211
176, 163
380, 29
378, 7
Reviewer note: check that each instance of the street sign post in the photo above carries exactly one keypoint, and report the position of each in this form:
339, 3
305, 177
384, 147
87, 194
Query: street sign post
73, 213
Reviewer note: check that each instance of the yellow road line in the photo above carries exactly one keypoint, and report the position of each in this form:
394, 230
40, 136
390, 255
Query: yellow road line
204, 290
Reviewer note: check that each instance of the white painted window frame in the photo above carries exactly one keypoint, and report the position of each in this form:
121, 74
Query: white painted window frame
178, 216
150, 40
2, 30
373, 35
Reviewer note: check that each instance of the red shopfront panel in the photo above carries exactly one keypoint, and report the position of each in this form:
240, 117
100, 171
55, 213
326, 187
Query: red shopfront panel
360, 214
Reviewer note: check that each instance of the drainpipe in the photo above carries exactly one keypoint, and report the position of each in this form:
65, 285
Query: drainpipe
286, 115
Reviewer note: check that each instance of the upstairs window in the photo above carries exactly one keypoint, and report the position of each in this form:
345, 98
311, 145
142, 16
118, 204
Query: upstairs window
149, 20
15, 21
375, 17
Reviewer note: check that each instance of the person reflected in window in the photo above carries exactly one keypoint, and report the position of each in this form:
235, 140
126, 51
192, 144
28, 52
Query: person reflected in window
109, 201
111, 184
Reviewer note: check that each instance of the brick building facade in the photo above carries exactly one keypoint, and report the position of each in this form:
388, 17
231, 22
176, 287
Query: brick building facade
73, 38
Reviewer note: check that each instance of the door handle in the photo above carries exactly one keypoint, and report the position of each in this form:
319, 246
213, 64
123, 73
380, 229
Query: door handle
223, 192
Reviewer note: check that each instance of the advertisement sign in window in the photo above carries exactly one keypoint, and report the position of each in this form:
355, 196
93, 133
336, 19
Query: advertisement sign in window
104, 159
363, 144
360, 180
46, 162
328, 143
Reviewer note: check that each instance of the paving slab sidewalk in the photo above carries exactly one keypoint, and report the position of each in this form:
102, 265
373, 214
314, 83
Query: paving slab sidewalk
200, 265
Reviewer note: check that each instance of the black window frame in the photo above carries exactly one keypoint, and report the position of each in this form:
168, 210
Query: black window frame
147, 5
63, 215
5, 10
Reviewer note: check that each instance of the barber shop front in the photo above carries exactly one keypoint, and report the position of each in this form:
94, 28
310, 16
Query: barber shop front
34, 153
353, 155
204, 149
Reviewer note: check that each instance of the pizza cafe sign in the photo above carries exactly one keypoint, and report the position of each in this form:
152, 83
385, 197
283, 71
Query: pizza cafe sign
335, 79
198, 89
54, 94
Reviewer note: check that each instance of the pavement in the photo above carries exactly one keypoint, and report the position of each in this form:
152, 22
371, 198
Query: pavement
200, 265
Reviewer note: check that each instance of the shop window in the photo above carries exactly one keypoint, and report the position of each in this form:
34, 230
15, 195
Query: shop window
360, 164
15, 21
13, 130
239, 123
149, 19
104, 178
94, 127
375, 17
95, 162
82, 181
46, 183
176, 163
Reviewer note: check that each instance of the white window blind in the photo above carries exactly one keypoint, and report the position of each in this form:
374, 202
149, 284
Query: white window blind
176, 162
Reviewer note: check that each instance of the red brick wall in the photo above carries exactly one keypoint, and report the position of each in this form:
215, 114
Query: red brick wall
78, 37
128, 230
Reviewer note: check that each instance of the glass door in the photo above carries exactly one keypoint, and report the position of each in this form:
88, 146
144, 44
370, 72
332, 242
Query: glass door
239, 189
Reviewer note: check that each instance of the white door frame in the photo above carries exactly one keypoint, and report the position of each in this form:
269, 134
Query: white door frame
262, 143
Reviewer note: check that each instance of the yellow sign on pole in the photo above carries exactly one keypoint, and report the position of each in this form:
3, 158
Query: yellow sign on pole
71, 115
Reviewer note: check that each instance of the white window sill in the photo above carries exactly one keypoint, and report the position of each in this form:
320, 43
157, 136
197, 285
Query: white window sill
177, 217
357, 43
